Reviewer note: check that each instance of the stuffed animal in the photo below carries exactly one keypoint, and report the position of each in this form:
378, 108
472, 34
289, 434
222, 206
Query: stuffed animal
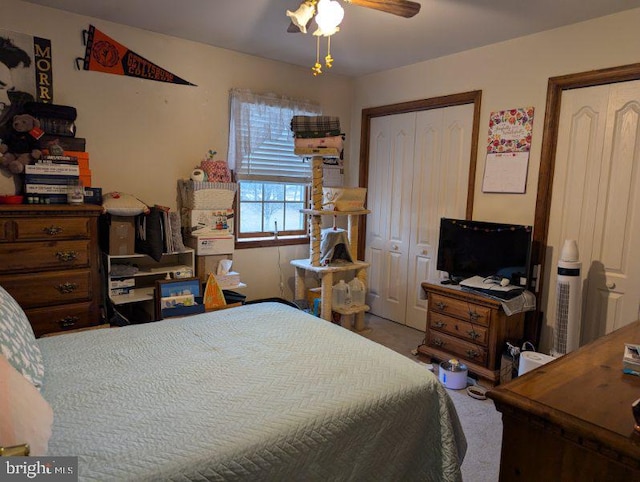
20, 146
215, 171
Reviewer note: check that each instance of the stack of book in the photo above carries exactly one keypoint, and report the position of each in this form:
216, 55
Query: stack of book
631, 359
47, 181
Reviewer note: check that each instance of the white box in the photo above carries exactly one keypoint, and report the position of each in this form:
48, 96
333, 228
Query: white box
210, 221
206, 245
123, 282
229, 280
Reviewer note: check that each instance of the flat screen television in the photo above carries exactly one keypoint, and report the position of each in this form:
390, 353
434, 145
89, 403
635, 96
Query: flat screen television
479, 248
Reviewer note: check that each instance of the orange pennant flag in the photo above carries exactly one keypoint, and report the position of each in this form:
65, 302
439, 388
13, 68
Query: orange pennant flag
104, 54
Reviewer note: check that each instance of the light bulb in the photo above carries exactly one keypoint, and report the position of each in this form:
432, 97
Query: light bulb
330, 14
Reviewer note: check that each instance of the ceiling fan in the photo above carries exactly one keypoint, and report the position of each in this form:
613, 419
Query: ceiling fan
401, 8
328, 15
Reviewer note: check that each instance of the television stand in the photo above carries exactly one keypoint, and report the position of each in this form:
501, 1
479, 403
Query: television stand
470, 327
452, 280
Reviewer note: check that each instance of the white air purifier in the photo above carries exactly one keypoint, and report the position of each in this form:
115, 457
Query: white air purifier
568, 300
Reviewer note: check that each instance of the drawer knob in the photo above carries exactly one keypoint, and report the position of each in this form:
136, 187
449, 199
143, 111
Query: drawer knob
66, 288
473, 334
68, 321
473, 315
438, 342
52, 230
439, 324
67, 256
472, 354
440, 305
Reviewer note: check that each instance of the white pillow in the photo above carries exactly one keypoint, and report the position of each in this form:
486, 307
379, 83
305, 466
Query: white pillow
122, 204
17, 341
25, 416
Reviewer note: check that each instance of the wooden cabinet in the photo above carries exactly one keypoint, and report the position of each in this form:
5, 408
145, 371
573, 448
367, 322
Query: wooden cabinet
49, 263
571, 419
470, 327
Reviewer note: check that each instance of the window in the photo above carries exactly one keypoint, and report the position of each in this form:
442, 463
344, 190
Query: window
266, 207
272, 180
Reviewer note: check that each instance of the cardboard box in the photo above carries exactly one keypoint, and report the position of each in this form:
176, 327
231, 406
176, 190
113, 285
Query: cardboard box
123, 282
208, 245
122, 291
117, 234
210, 221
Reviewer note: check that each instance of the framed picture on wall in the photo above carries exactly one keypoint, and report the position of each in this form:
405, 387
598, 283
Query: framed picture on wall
178, 297
26, 73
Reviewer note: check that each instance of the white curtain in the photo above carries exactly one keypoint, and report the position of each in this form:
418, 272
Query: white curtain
258, 118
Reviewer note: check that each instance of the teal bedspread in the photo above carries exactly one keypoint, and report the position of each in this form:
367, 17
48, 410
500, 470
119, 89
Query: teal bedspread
258, 392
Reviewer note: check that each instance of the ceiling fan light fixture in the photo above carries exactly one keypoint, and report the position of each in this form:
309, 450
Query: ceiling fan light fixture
301, 17
329, 16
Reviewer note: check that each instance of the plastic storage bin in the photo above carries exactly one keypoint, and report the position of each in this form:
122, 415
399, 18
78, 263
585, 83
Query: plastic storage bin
357, 292
341, 298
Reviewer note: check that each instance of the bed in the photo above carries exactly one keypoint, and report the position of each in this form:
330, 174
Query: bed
257, 392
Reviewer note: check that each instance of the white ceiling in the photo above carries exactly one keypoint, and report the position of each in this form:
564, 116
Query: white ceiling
369, 41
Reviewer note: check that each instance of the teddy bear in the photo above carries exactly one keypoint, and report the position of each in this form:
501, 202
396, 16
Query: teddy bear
20, 146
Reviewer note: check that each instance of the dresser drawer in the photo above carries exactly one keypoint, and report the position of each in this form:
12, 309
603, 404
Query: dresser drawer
462, 329
464, 350
49, 288
41, 229
5, 230
41, 255
461, 309
61, 318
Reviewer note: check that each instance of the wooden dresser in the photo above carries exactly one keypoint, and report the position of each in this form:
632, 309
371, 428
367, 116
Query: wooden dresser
571, 419
470, 327
49, 262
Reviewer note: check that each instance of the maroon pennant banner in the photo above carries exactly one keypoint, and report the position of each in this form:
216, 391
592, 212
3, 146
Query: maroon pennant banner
104, 54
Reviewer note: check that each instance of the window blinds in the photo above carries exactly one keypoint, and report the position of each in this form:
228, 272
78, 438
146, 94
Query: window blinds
260, 139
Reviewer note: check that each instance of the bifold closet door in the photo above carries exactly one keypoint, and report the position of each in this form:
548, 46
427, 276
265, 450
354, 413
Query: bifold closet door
391, 157
440, 186
595, 200
418, 172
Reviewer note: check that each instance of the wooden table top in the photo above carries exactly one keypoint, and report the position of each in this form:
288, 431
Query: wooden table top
585, 392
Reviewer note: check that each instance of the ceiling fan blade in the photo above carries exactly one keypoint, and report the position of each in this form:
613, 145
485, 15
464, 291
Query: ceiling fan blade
402, 8
293, 28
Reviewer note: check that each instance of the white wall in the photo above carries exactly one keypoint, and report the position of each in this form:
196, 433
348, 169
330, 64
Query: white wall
143, 135
510, 74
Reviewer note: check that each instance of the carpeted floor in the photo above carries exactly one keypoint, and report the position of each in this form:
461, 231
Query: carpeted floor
482, 423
